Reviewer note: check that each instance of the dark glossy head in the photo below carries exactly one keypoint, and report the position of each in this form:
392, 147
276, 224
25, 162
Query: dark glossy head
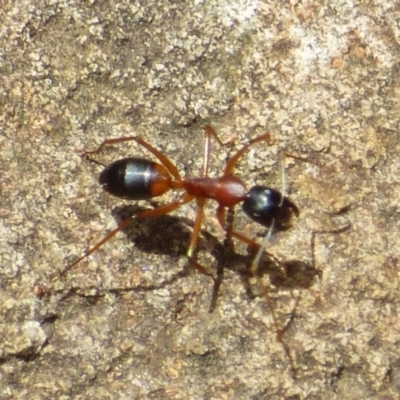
265, 205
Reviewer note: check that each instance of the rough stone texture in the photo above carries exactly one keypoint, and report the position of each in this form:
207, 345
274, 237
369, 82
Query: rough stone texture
322, 77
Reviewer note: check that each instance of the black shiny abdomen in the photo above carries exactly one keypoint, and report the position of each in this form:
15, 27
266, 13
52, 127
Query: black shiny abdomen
130, 178
264, 205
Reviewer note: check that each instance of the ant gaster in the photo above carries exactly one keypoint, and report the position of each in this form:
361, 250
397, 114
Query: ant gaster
137, 178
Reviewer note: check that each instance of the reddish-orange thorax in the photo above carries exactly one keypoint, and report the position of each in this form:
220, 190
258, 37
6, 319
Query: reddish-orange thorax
227, 191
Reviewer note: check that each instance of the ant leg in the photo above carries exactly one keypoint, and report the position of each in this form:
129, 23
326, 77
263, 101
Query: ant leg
230, 165
200, 208
195, 237
162, 210
122, 225
196, 228
164, 159
246, 240
208, 131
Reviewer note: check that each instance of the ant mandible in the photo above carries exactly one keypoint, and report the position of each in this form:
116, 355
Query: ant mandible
137, 178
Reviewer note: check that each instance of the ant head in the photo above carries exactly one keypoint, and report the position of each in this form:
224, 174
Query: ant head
265, 206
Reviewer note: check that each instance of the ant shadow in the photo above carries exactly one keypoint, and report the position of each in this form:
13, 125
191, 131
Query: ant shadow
169, 235
164, 235
287, 275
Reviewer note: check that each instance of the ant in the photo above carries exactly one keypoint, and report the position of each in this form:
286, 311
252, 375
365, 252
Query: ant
136, 178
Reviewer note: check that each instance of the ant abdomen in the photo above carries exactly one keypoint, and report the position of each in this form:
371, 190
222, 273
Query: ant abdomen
135, 178
266, 206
